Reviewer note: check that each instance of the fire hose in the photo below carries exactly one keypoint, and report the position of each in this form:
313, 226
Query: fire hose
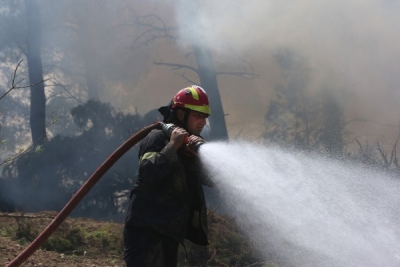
86, 187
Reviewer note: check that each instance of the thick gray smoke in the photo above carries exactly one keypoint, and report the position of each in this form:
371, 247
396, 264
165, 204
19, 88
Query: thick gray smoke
347, 46
350, 48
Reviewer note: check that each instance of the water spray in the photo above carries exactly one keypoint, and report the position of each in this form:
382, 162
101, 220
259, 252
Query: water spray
87, 186
301, 209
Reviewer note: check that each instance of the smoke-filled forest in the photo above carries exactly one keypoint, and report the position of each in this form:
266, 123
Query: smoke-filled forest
77, 78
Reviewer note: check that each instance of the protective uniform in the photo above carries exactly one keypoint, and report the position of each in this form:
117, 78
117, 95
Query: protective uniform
167, 203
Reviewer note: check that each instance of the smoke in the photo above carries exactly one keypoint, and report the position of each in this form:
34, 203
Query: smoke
351, 47
332, 34
348, 46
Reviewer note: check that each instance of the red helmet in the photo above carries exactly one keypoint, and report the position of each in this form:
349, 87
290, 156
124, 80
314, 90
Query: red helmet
193, 98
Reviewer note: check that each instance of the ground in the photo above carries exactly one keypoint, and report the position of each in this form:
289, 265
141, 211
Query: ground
10, 249
98, 234
90, 243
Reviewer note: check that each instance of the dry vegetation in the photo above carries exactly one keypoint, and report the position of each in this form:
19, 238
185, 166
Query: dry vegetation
78, 242
86, 242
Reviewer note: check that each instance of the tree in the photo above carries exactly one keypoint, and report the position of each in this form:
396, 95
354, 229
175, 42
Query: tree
5, 202
333, 126
289, 118
298, 118
208, 79
38, 98
154, 27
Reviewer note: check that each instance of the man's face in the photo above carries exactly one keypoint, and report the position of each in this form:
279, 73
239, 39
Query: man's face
196, 121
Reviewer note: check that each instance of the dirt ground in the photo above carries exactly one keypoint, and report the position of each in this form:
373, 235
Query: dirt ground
10, 248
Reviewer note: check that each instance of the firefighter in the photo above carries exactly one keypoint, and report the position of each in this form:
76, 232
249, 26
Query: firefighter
167, 203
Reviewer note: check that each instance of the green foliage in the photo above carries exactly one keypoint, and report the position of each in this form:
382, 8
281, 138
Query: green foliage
58, 244
25, 231
38, 149
107, 238
66, 239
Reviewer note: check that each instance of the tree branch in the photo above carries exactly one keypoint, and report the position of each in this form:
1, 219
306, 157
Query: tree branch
244, 75
149, 22
383, 154
176, 66
51, 122
186, 79
393, 156
371, 121
14, 84
246, 65
56, 82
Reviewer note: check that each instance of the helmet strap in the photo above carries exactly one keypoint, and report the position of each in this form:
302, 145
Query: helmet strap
186, 117
175, 120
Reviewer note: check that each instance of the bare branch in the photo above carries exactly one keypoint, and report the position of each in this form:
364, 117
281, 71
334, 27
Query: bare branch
13, 80
212, 256
246, 68
150, 22
56, 82
176, 66
371, 121
383, 153
245, 75
183, 75
359, 144
51, 122
14, 84
393, 156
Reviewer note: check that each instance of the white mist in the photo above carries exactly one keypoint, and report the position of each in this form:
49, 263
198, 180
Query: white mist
306, 210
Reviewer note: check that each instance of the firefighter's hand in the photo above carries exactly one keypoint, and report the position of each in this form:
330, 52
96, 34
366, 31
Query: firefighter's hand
177, 136
193, 139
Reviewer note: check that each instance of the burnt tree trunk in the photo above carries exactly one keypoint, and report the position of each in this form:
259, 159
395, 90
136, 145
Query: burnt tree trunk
332, 125
89, 55
205, 66
208, 80
38, 98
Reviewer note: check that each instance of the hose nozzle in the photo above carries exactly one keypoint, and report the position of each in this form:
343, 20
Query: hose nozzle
167, 128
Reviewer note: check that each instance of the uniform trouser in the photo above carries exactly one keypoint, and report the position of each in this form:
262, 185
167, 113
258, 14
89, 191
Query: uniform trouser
146, 248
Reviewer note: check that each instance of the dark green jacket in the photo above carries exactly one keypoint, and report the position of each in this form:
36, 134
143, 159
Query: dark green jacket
168, 196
